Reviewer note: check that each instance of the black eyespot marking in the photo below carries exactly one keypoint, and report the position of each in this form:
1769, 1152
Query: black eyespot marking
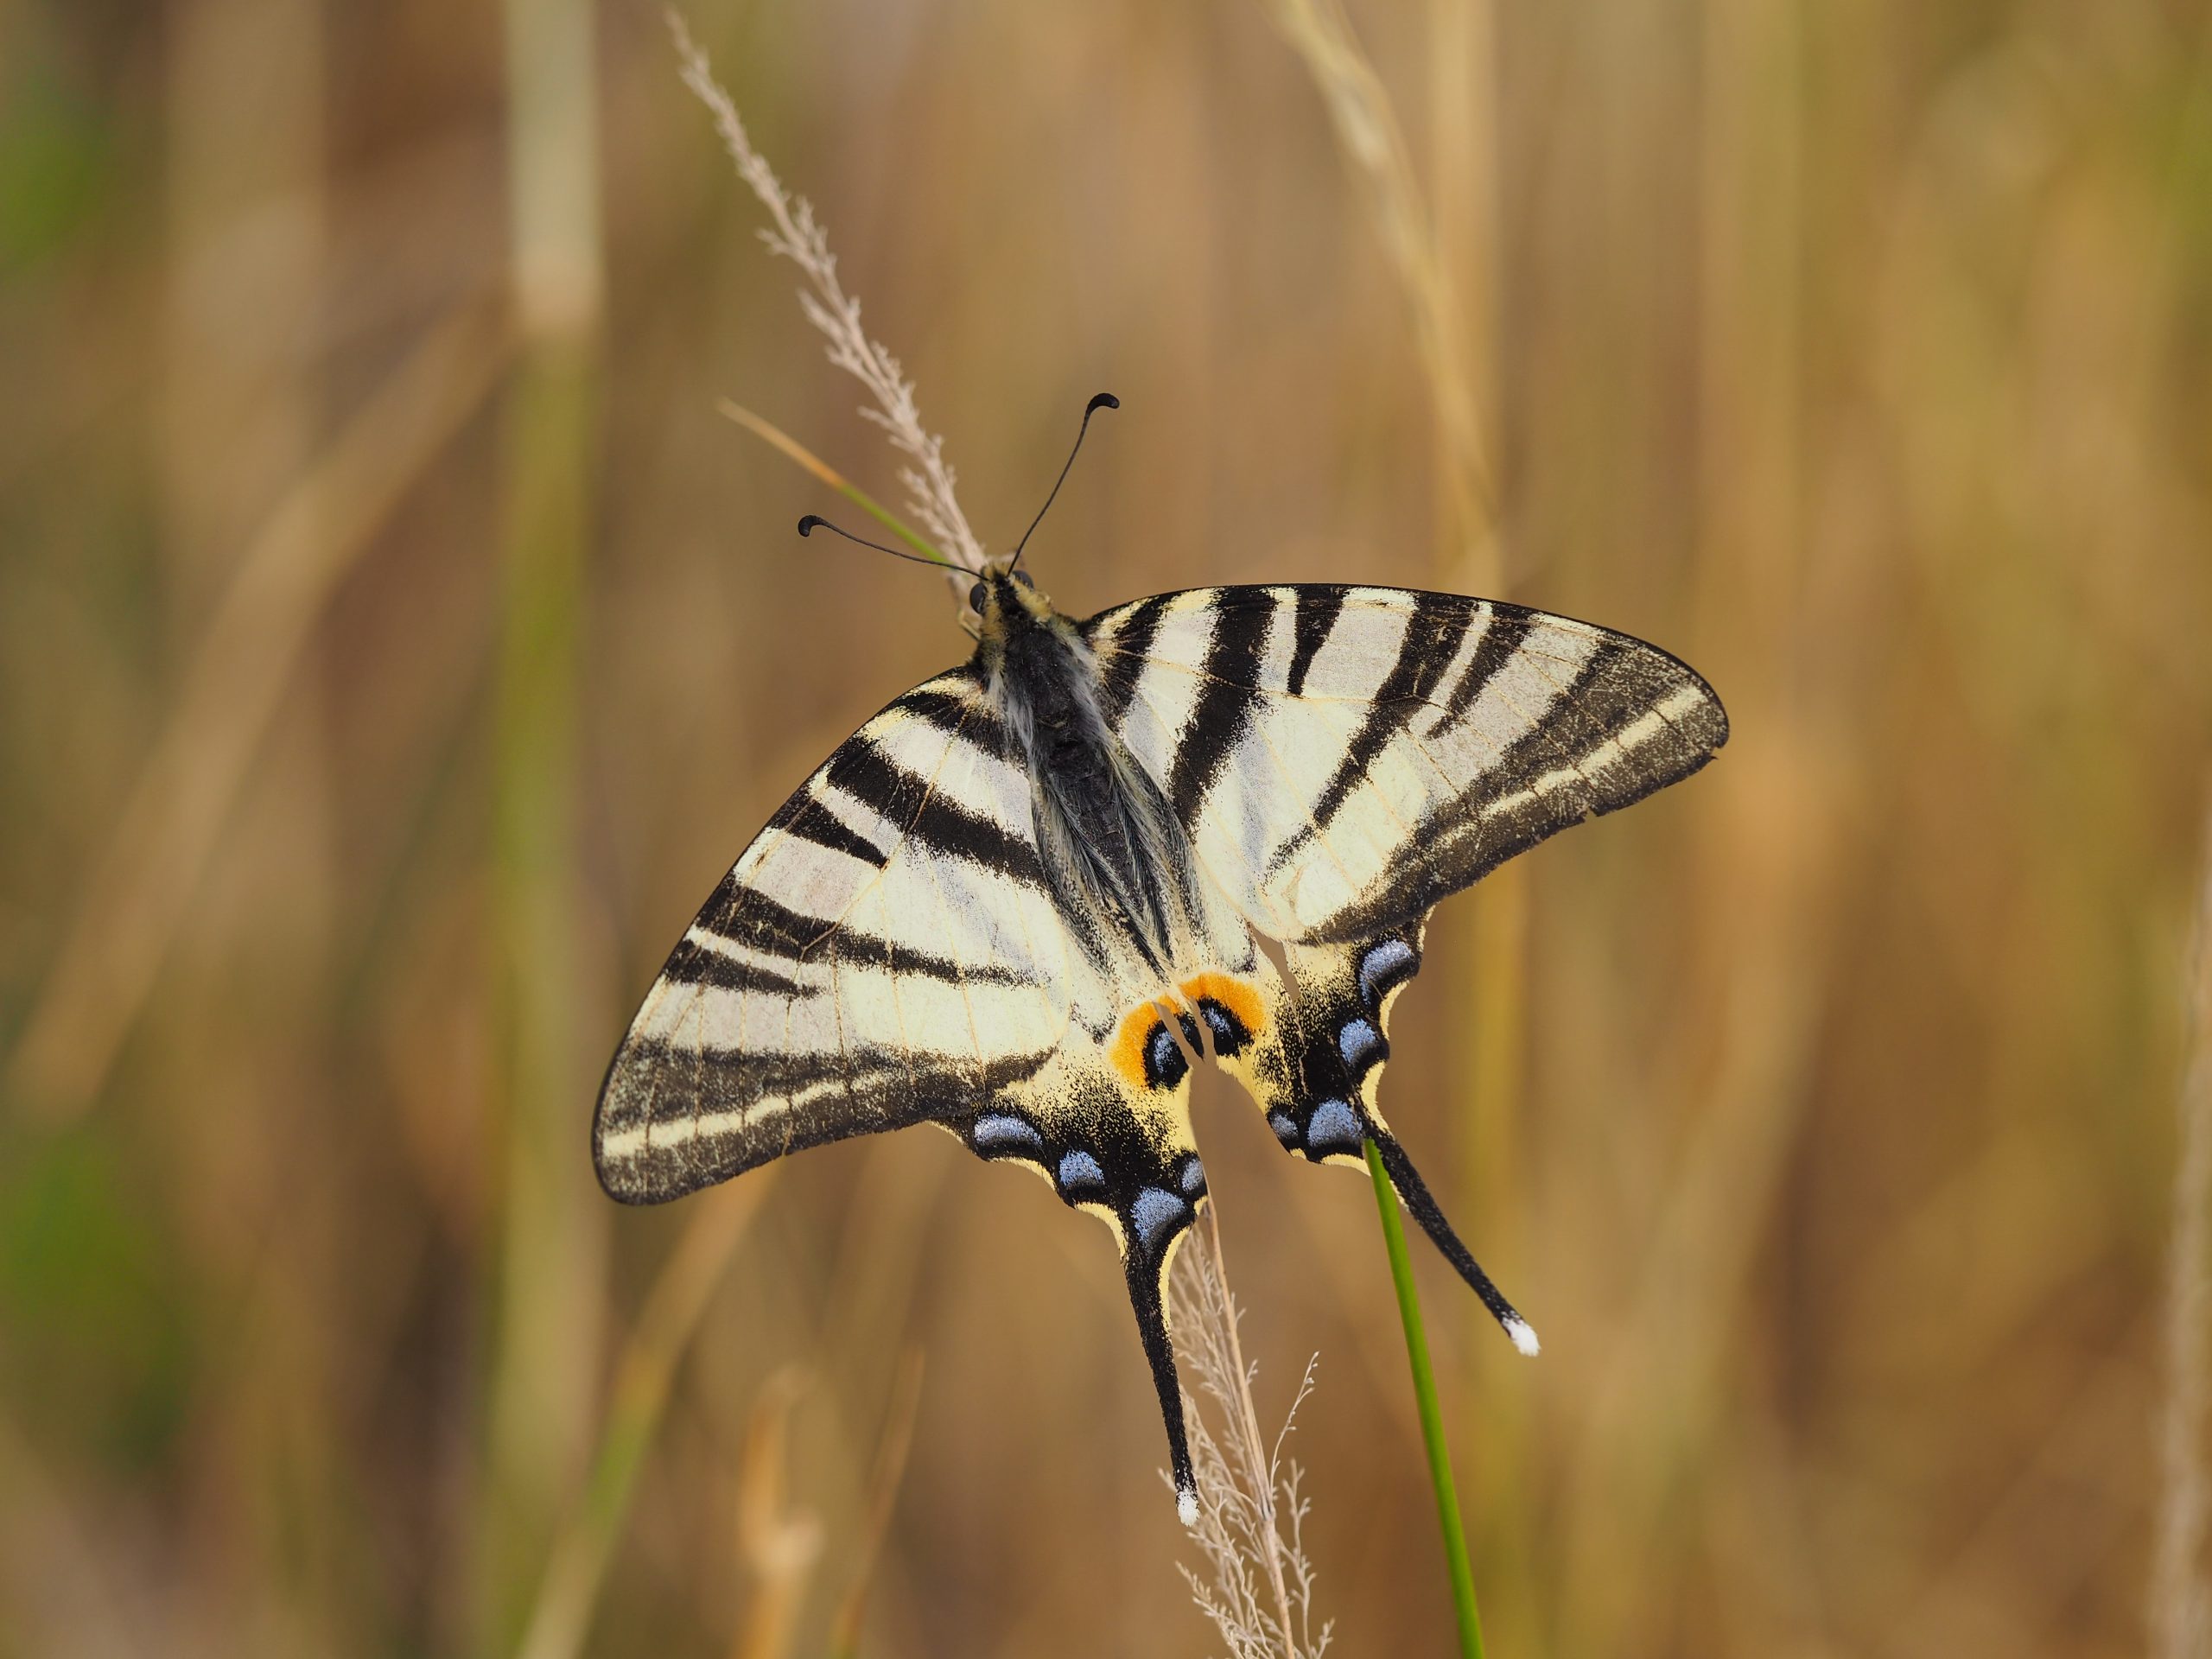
1163, 1065
976, 595
1230, 1036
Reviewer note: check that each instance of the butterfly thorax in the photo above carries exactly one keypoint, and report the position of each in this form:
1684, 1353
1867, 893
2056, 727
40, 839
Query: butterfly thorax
1116, 861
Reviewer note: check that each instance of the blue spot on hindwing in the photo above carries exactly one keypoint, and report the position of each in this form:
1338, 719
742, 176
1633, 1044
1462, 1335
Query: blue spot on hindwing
1080, 1169
1285, 1126
1003, 1132
1335, 1128
1390, 963
1194, 1179
1360, 1044
1154, 1213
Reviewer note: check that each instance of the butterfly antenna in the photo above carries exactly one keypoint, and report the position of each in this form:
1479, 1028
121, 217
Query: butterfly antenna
808, 524
1104, 400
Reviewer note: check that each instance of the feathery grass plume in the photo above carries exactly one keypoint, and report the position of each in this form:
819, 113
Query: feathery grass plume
795, 234
1258, 1586
2180, 1611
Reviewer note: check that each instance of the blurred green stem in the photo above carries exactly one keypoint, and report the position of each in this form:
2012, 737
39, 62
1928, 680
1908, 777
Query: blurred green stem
545, 1339
1431, 1414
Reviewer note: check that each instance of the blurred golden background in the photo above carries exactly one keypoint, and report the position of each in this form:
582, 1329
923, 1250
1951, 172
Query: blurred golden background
398, 646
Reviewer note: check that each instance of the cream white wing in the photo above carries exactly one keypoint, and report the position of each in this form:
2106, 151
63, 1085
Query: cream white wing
1342, 758
883, 953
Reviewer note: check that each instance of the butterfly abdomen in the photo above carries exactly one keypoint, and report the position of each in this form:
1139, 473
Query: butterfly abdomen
1115, 857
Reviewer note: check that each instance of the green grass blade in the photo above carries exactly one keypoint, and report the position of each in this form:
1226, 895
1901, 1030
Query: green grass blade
776, 438
1431, 1414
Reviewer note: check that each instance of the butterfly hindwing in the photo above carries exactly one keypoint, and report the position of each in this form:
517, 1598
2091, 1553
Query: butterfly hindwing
1109, 1124
883, 953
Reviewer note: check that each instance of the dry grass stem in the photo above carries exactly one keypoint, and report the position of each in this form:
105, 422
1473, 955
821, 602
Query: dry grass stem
889, 1474
779, 1542
136, 898
795, 233
1374, 143
673, 1308
1258, 1584
2179, 1604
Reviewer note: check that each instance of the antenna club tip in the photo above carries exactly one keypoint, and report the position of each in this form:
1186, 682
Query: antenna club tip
806, 525
1524, 1338
1187, 1506
1104, 400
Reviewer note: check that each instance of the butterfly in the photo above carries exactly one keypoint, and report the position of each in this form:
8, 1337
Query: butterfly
1021, 901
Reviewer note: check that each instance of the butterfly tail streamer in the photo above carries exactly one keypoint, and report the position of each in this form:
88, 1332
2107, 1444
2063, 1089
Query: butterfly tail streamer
1148, 1286
1420, 1203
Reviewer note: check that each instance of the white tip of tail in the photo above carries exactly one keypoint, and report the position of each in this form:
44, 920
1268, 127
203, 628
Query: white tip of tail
1524, 1338
1186, 1507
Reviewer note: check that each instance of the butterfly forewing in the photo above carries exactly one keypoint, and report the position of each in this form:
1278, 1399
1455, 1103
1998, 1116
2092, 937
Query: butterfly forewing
1345, 757
883, 953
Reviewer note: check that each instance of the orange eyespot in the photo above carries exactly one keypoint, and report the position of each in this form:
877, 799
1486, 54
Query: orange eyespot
1240, 997
1127, 1050
1133, 1051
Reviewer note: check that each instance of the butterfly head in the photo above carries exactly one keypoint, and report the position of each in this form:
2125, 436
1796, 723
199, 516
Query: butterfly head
1000, 601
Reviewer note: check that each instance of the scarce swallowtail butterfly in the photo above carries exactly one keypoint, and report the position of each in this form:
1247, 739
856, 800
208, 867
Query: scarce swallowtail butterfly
1020, 901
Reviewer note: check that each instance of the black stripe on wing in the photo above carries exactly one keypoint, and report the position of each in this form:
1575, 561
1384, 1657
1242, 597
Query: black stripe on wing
925, 815
810, 820
1123, 657
693, 963
1426, 650
745, 916
1227, 692
962, 714
1317, 610
1508, 625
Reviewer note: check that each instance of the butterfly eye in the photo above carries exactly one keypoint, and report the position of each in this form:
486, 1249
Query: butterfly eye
1022, 577
976, 596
